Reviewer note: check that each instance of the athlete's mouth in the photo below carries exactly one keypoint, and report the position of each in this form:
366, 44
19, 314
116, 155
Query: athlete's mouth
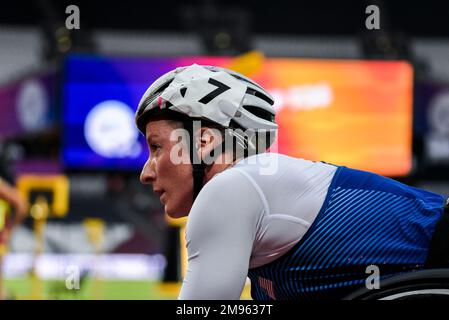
160, 192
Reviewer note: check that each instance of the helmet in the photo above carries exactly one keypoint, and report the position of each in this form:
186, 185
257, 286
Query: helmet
219, 96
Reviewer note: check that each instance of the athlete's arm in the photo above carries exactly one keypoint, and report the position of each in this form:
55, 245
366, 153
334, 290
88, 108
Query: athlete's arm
220, 234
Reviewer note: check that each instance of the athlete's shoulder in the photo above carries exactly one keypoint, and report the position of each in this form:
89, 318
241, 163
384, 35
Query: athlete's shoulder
227, 198
230, 188
272, 165
266, 158
228, 183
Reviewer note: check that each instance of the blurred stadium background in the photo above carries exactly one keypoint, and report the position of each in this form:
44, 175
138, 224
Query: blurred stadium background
67, 138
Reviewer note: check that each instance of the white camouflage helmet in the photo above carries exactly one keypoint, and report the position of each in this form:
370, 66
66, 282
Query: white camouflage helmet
219, 95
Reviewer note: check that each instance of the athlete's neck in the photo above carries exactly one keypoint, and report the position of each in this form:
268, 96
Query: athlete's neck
221, 163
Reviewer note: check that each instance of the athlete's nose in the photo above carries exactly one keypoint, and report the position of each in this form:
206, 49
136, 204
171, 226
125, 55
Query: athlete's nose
148, 174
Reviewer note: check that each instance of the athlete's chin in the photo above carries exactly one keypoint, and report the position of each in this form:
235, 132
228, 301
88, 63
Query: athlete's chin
175, 213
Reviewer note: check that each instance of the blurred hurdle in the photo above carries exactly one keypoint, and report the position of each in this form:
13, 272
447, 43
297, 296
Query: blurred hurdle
48, 196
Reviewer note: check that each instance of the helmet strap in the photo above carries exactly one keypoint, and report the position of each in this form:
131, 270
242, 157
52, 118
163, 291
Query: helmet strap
198, 165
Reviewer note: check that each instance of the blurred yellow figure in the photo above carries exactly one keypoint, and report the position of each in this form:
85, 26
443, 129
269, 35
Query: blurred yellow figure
10, 198
95, 232
95, 229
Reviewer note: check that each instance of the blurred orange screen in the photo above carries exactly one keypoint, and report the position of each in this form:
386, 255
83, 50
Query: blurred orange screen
346, 112
352, 113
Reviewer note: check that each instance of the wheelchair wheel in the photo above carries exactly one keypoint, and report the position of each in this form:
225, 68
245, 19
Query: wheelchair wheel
430, 284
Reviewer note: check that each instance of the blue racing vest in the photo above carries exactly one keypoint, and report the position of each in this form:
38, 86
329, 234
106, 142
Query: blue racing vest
366, 219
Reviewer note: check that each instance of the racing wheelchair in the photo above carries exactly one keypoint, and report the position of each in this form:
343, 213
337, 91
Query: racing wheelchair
431, 284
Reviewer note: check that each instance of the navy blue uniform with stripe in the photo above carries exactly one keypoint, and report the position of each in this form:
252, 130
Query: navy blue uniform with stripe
366, 219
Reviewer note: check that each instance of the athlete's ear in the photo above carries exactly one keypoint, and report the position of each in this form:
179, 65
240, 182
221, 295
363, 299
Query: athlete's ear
209, 139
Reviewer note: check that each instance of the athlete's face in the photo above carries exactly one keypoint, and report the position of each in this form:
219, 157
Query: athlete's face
168, 168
